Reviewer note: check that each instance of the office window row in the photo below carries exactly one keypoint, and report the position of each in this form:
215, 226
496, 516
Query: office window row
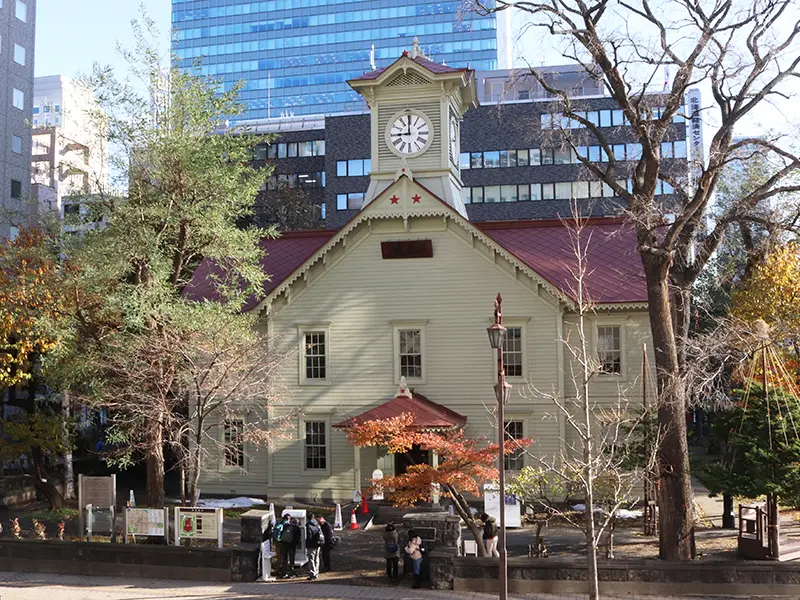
599, 118
296, 180
351, 201
47, 109
289, 150
562, 190
353, 168
534, 157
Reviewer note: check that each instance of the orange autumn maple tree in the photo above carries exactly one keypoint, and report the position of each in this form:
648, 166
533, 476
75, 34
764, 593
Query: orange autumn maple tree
465, 464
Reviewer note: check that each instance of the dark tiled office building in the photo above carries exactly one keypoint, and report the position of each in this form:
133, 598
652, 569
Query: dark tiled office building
514, 164
17, 29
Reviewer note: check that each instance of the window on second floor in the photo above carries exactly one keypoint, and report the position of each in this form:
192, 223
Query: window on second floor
609, 349
512, 352
233, 443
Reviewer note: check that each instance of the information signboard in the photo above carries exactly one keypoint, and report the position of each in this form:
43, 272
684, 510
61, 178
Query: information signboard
198, 523
101, 493
148, 522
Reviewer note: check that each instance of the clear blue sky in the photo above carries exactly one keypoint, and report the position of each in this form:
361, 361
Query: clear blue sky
71, 35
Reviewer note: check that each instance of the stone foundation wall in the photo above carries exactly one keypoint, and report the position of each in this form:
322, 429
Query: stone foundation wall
526, 575
121, 560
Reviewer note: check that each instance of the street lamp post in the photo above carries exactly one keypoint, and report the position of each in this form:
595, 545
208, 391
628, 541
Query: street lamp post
497, 335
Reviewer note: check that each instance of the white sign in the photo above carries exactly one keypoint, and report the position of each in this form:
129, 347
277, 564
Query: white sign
198, 523
491, 506
694, 125
145, 522
377, 475
338, 524
266, 561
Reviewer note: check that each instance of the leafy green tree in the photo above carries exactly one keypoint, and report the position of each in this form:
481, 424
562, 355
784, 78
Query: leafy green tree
189, 185
761, 448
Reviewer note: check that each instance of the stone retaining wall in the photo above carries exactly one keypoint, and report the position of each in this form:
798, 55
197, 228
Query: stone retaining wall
527, 575
124, 560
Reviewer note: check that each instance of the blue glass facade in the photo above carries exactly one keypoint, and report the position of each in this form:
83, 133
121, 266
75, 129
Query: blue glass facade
295, 56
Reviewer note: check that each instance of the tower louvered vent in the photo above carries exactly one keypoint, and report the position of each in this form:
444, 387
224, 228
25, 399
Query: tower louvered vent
408, 78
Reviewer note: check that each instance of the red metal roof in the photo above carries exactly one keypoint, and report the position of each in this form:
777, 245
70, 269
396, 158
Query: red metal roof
420, 60
283, 256
614, 268
427, 414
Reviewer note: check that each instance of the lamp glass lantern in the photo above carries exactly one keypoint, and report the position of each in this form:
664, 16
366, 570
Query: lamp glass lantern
497, 335
505, 395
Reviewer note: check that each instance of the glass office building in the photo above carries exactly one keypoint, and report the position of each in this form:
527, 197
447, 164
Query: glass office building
295, 56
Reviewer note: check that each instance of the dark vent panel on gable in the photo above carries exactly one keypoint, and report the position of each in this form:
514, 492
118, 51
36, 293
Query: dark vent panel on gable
407, 249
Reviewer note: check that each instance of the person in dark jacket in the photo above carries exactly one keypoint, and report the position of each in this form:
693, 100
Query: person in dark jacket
490, 535
293, 544
314, 541
391, 545
327, 531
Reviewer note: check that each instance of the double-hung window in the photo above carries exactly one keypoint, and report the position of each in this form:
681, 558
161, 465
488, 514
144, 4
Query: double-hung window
512, 352
314, 344
409, 350
609, 349
233, 443
316, 446
513, 431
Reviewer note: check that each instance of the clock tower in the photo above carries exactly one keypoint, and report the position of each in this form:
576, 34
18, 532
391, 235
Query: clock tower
416, 107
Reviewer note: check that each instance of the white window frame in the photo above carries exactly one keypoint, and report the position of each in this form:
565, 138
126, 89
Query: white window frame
397, 327
302, 330
223, 466
622, 375
301, 431
522, 324
14, 98
524, 421
24, 17
20, 48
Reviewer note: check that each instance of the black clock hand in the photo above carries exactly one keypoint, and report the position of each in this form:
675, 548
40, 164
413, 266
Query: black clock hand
409, 126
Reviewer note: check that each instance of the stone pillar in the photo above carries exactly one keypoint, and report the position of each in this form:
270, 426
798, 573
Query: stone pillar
442, 536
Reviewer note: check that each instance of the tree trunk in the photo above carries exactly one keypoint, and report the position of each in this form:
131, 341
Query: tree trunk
69, 474
462, 508
675, 499
155, 466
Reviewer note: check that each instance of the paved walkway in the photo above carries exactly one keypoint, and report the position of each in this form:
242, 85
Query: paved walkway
43, 586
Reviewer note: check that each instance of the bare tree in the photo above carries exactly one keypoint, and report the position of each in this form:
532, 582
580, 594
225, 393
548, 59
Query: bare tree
747, 52
598, 463
230, 383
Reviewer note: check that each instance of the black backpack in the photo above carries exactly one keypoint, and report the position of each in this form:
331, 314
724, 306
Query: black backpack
287, 534
314, 535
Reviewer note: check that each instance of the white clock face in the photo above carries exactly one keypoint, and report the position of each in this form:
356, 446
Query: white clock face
409, 133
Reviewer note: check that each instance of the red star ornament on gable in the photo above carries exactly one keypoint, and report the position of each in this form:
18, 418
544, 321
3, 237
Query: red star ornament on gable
394, 199
415, 199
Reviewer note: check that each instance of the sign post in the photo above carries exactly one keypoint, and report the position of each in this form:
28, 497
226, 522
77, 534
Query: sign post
198, 523
146, 522
377, 476
101, 493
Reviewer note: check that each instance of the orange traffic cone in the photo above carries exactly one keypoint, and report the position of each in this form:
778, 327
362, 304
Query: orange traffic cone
364, 509
353, 522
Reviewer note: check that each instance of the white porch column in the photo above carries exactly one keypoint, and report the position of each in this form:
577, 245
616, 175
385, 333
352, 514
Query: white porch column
434, 464
357, 468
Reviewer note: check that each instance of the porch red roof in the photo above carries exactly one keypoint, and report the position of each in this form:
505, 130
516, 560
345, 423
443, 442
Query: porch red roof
427, 414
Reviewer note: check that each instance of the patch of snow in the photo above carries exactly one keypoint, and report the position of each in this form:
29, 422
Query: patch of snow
622, 513
241, 502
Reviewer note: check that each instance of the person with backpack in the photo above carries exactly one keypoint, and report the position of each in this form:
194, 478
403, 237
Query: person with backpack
286, 544
327, 531
315, 540
293, 541
391, 546
277, 531
489, 534
415, 550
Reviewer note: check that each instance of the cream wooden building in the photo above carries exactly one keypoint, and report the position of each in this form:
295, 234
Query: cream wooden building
405, 291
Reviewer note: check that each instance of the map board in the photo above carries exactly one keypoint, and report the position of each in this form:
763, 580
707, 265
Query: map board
491, 505
145, 522
198, 523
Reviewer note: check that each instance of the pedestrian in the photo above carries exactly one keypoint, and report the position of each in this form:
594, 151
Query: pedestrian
287, 545
315, 539
414, 550
391, 545
489, 534
294, 542
277, 531
327, 531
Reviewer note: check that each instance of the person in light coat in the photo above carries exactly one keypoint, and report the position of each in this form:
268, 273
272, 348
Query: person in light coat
415, 551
